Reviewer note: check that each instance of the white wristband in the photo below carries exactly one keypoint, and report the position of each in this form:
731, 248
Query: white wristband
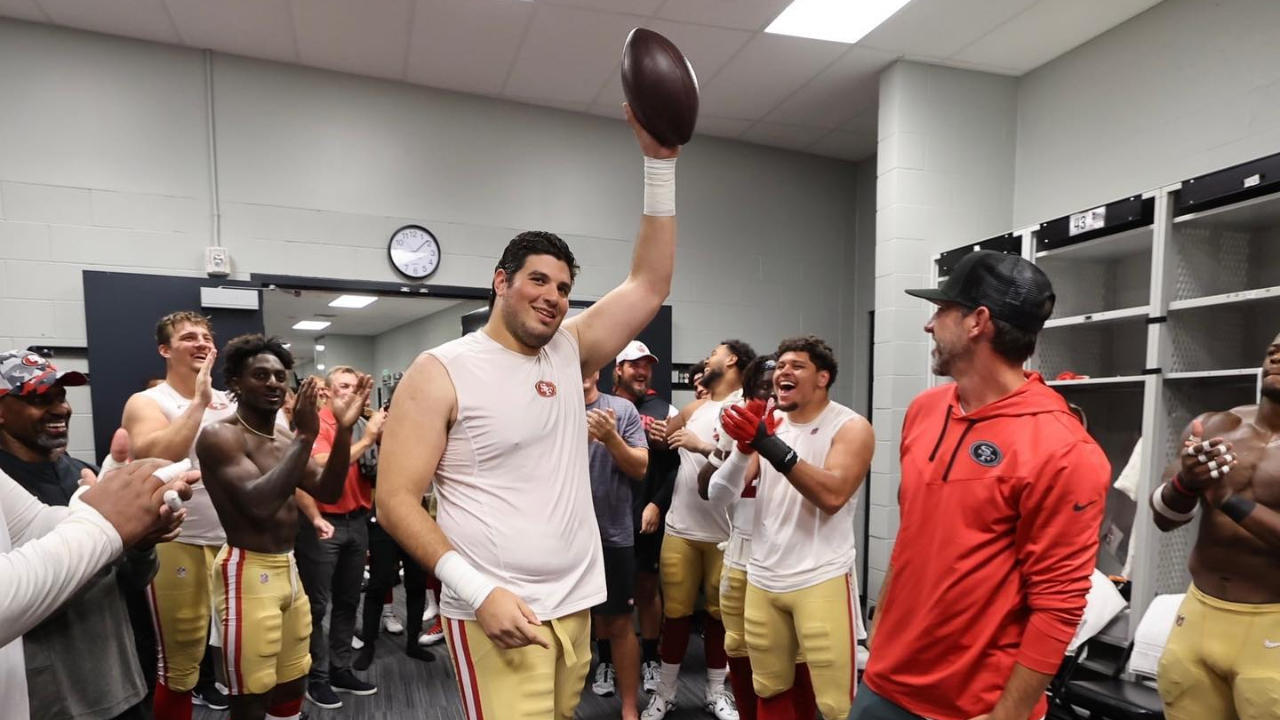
659, 187
469, 583
1157, 501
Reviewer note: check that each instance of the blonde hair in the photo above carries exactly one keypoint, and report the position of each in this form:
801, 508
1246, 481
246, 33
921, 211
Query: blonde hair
170, 322
338, 369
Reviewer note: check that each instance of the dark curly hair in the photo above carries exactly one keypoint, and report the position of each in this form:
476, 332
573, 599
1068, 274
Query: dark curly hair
744, 352
240, 350
820, 353
533, 242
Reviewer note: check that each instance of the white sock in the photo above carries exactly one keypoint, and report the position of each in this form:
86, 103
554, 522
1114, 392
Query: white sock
668, 679
715, 680
431, 610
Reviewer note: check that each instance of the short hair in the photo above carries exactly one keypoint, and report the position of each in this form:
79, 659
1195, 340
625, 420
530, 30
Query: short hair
170, 322
744, 352
754, 374
339, 369
533, 242
820, 353
240, 350
1011, 343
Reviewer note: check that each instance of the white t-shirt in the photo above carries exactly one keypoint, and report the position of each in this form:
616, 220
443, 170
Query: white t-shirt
513, 487
691, 517
202, 526
797, 545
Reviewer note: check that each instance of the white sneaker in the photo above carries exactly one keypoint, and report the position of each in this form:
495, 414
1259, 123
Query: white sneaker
604, 684
356, 642
433, 635
720, 704
390, 622
650, 674
658, 708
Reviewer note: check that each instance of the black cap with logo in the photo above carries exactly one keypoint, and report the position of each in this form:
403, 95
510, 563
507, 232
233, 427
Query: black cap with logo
1013, 289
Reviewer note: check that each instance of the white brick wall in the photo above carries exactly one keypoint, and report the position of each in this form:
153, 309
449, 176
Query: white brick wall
945, 177
317, 169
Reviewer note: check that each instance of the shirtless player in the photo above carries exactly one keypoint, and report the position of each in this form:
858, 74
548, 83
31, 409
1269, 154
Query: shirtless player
252, 466
1223, 655
495, 420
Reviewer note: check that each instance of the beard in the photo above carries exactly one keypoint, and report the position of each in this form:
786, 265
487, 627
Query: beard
943, 361
534, 337
710, 377
635, 387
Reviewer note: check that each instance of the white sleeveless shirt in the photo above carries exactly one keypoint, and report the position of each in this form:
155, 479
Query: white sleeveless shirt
796, 545
202, 526
513, 488
691, 517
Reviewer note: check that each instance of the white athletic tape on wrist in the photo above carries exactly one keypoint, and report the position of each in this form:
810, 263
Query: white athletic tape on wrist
659, 187
469, 583
1157, 500
714, 460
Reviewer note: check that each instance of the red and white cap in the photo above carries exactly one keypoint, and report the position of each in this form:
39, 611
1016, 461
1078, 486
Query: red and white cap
634, 351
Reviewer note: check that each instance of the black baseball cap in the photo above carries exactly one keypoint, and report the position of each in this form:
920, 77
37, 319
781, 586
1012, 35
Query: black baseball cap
1013, 289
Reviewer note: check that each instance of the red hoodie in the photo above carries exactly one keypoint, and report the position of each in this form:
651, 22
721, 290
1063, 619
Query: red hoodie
1001, 510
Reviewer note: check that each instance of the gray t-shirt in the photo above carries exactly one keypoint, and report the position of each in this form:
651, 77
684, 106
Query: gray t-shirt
610, 489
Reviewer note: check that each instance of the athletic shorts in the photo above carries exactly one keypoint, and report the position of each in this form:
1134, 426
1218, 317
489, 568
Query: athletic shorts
619, 581
648, 548
687, 567
265, 618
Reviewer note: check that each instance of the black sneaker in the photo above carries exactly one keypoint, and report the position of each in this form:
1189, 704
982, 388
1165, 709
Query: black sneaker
211, 697
364, 658
321, 695
345, 681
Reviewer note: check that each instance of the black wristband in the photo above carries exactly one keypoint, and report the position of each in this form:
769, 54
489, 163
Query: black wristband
1237, 508
779, 454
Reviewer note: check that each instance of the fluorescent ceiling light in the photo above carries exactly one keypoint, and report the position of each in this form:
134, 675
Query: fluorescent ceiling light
843, 21
319, 347
288, 345
320, 366
312, 325
354, 301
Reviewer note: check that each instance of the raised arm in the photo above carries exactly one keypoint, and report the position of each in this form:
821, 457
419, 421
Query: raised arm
153, 435
326, 485
608, 325
1177, 500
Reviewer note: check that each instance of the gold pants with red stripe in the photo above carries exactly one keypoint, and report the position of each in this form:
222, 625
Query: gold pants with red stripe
265, 618
528, 683
181, 603
816, 621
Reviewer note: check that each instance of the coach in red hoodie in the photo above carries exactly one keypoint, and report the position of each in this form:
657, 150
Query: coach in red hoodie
1002, 497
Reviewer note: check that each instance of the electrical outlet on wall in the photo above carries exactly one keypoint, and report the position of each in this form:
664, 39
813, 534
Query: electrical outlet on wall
217, 261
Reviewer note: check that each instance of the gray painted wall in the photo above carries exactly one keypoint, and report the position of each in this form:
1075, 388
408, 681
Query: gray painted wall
354, 350
1185, 88
107, 166
395, 349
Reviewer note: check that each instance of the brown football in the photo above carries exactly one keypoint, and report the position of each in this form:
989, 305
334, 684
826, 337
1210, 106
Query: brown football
660, 87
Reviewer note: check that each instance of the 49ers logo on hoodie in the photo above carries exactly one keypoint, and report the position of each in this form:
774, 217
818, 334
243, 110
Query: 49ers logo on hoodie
985, 453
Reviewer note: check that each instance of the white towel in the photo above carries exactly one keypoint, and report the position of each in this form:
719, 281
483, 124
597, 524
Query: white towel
1130, 478
1153, 634
1102, 606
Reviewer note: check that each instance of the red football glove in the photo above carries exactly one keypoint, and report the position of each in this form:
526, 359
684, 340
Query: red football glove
751, 424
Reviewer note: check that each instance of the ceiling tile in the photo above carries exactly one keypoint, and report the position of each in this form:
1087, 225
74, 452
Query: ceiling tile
791, 137
848, 87
254, 28
741, 14
707, 49
768, 69
633, 7
23, 10
569, 53
144, 19
722, 127
1049, 29
938, 28
466, 45
366, 38
845, 145
865, 121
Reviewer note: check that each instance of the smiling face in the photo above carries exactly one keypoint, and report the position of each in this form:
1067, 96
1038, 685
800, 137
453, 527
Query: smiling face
188, 347
798, 382
263, 383
635, 376
37, 421
534, 301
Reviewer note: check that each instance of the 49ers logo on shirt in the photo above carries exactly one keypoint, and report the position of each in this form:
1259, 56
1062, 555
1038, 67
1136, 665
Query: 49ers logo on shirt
985, 453
545, 388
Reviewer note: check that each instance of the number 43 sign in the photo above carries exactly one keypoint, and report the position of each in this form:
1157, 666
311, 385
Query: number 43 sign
1088, 220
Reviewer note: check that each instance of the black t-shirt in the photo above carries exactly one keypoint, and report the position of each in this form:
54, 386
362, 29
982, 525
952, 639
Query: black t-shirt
660, 479
52, 483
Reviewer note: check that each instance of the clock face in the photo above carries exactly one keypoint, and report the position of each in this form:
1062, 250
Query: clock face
414, 251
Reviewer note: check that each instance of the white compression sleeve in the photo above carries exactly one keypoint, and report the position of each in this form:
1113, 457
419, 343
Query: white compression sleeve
469, 583
659, 187
727, 482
